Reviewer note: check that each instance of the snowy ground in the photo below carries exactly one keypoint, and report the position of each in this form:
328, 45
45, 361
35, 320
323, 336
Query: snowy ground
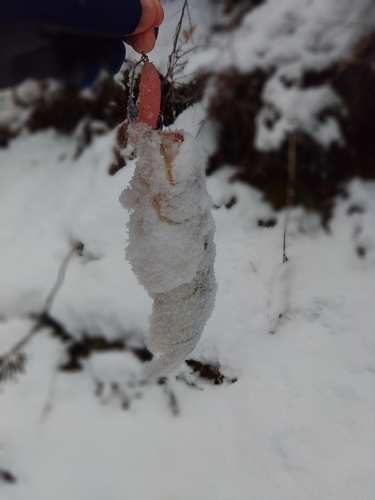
294, 418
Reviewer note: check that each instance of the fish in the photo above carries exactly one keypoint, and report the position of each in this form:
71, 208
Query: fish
171, 245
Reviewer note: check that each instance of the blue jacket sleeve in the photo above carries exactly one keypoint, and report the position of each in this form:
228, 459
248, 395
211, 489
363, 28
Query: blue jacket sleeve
69, 40
111, 18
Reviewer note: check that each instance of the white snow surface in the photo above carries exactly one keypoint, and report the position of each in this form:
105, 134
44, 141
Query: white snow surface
298, 337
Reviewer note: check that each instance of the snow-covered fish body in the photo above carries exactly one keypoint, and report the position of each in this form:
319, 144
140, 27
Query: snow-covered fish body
179, 316
171, 247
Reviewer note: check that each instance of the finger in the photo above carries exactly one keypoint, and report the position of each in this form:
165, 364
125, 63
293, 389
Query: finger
159, 15
143, 42
152, 16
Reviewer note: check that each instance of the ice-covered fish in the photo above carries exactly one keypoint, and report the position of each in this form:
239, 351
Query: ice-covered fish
171, 247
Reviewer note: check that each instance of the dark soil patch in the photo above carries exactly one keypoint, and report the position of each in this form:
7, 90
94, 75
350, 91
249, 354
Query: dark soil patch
7, 477
267, 222
235, 9
355, 209
231, 202
171, 397
208, 372
6, 134
78, 350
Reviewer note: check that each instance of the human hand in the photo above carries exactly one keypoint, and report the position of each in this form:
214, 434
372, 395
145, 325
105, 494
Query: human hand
72, 41
143, 38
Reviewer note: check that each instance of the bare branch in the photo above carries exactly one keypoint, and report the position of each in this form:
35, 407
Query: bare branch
14, 361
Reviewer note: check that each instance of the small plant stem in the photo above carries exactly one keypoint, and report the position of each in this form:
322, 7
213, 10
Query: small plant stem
292, 156
78, 247
47, 306
173, 56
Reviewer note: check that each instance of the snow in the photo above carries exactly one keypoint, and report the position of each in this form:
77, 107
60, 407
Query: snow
292, 35
299, 109
298, 337
40, 177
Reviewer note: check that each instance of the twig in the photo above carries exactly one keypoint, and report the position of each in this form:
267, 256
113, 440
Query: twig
174, 56
292, 155
49, 397
14, 361
13, 364
78, 247
359, 24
